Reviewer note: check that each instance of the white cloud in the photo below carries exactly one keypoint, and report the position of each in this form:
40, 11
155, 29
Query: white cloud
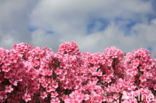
142, 36
41, 39
72, 16
146, 35
14, 20
68, 19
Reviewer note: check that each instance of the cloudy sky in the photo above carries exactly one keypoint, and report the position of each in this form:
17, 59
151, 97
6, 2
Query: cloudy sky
92, 24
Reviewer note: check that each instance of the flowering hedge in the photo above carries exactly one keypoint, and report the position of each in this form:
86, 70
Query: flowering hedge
38, 75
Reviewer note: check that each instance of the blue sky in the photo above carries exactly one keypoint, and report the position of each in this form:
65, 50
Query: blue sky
93, 24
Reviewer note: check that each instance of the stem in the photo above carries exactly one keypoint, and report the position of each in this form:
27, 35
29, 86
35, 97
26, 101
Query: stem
120, 98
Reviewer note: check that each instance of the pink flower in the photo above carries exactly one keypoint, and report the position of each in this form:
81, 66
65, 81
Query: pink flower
55, 85
7, 62
43, 95
61, 77
13, 82
50, 89
44, 84
75, 77
58, 71
26, 97
6, 69
2, 95
143, 78
56, 100
8, 89
155, 87
48, 72
54, 94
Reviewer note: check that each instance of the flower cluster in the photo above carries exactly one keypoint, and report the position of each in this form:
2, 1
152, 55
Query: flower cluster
38, 75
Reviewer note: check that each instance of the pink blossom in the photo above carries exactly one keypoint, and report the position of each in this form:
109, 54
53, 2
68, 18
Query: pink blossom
26, 97
39, 74
55, 100
6, 69
8, 89
50, 89
43, 95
